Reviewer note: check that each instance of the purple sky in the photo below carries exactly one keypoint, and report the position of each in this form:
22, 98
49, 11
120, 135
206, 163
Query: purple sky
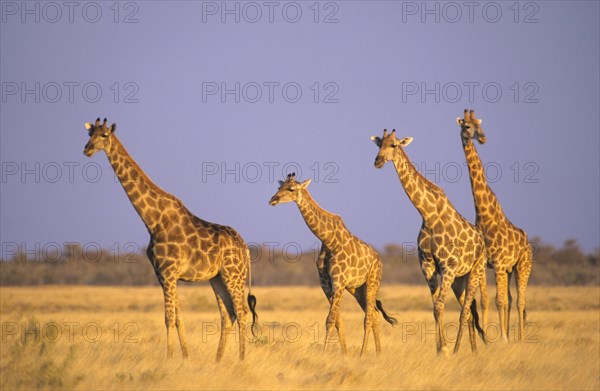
536, 86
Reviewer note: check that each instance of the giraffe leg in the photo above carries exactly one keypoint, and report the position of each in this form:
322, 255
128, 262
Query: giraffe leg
180, 328
226, 310
240, 311
170, 296
484, 302
332, 318
340, 329
459, 288
432, 282
465, 314
325, 281
501, 300
438, 310
509, 306
522, 276
372, 287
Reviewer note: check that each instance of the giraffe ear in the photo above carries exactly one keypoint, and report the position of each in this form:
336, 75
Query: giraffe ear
88, 126
479, 121
113, 127
281, 182
459, 121
405, 141
305, 184
376, 140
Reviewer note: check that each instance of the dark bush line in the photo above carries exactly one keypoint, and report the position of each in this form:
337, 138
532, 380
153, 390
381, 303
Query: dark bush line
567, 265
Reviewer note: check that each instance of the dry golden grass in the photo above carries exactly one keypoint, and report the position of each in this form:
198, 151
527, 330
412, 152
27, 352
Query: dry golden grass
561, 352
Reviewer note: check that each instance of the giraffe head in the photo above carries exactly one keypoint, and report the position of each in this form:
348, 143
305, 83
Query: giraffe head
470, 128
289, 191
388, 145
100, 136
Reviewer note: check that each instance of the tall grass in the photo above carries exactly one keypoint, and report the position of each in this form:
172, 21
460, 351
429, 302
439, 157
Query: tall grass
114, 338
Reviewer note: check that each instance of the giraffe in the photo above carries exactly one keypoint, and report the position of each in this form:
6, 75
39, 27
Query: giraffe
448, 245
507, 244
344, 263
182, 246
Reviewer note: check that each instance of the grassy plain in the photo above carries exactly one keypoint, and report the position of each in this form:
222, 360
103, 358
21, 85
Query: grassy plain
114, 338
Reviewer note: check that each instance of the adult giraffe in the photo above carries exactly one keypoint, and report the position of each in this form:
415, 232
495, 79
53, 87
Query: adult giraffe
449, 246
182, 246
507, 244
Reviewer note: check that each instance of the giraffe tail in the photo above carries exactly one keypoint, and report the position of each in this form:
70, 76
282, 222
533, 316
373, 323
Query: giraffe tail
475, 316
391, 320
251, 297
252, 305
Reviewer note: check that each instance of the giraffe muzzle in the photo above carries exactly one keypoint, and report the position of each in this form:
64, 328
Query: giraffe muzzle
88, 151
274, 200
379, 161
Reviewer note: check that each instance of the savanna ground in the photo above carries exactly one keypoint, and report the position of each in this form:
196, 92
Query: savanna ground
114, 338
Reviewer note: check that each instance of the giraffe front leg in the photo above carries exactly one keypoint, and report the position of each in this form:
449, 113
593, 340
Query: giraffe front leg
332, 317
180, 329
170, 296
438, 310
502, 301
340, 329
432, 283
484, 301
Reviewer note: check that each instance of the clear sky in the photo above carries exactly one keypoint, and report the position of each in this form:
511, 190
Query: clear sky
216, 101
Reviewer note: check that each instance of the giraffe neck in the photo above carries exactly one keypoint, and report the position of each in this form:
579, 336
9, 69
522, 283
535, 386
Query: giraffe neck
136, 184
328, 227
424, 195
487, 207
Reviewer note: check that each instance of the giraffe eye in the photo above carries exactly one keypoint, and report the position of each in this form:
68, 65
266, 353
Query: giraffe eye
291, 190
105, 135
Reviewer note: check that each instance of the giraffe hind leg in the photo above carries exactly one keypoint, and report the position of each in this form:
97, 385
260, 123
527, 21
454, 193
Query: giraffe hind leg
371, 320
509, 306
465, 314
235, 286
522, 278
459, 288
325, 282
226, 310
360, 294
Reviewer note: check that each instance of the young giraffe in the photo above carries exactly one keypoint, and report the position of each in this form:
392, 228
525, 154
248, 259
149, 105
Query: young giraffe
345, 263
507, 244
448, 244
182, 246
